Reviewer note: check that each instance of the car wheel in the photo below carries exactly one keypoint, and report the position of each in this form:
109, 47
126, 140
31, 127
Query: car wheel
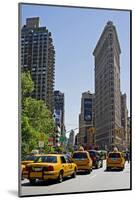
89, 170
97, 165
32, 181
108, 169
74, 174
60, 177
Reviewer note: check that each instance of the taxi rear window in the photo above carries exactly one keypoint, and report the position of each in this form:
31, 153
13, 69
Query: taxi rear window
80, 155
92, 153
114, 155
46, 159
30, 158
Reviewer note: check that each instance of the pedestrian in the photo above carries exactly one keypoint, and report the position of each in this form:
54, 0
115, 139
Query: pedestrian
127, 157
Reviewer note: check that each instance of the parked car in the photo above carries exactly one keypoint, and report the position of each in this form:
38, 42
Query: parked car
115, 160
82, 160
96, 158
50, 166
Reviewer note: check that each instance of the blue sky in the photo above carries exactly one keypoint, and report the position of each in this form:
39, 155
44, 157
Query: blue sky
75, 32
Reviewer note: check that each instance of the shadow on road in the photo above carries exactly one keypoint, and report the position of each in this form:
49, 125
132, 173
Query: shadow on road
13, 192
44, 183
113, 170
82, 173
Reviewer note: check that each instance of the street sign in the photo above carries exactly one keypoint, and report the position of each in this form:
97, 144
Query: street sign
42, 136
50, 141
62, 139
41, 144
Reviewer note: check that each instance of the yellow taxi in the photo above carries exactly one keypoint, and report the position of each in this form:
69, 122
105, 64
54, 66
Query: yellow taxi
114, 160
82, 160
28, 159
50, 166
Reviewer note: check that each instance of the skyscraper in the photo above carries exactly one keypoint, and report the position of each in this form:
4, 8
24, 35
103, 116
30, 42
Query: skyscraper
107, 88
86, 120
124, 117
129, 133
71, 140
38, 56
59, 108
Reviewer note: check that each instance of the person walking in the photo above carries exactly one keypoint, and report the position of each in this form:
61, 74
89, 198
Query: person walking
127, 156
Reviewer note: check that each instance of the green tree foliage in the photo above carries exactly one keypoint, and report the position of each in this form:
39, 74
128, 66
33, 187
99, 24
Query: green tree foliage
27, 84
36, 118
29, 136
40, 117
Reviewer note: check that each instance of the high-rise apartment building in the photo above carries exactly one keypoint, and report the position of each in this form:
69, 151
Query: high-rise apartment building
86, 120
107, 88
38, 56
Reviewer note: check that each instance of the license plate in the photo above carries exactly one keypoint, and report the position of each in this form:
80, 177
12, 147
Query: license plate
37, 169
114, 158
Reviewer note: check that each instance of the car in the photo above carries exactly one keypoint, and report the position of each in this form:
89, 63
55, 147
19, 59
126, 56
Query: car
50, 166
103, 154
115, 160
82, 160
96, 158
28, 159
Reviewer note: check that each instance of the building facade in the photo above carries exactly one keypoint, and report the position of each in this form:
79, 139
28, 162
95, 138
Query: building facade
38, 56
59, 113
124, 118
86, 134
107, 88
129, 133
71, 140
59, 108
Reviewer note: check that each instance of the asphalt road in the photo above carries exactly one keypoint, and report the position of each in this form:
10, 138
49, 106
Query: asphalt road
98, 180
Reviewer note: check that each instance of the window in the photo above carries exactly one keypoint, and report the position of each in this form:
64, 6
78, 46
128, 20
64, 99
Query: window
63, 160
47, 159
114, 155
80, 155
68, 159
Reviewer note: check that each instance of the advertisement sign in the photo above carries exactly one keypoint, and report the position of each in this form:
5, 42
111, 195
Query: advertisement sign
88, 110
57, 116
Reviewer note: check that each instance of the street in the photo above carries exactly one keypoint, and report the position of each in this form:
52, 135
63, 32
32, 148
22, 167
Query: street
98, 180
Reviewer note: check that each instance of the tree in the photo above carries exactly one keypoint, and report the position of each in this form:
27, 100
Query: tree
40, 118
29, 136
27, 84
36, 118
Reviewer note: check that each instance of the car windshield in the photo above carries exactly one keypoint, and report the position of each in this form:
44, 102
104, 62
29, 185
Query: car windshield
30, 158
80, 155
47, 159
114, 155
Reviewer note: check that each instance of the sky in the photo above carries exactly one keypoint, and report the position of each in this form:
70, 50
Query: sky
75, 32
